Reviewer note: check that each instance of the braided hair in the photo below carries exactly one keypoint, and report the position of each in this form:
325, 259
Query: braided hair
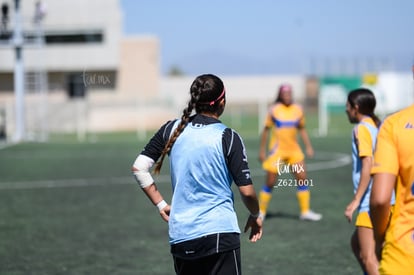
206, 92
366, 102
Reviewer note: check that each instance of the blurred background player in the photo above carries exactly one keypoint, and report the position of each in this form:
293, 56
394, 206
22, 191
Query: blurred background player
203, 226
360, 108
393, 169
283, 122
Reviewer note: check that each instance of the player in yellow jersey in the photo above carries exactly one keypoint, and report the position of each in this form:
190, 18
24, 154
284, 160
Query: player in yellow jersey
360, 108
283, 154
393, 169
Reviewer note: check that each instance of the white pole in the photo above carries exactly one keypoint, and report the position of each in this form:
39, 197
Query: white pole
19, 76
141, 123
263, 108
81, 118
323, 115
41, 75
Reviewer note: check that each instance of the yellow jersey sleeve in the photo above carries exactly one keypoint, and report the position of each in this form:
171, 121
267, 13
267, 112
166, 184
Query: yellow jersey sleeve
364, 141
386, 156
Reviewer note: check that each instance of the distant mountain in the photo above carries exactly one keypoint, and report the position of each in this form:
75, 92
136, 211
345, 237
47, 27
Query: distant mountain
225, 63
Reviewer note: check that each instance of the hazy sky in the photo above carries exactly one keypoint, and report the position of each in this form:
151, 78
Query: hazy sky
275, 36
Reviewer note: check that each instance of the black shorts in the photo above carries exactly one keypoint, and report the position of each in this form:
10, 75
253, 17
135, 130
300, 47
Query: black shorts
223, 263
211, 255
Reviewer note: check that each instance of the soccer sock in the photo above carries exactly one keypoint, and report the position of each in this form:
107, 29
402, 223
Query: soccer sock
264, 198
303, 200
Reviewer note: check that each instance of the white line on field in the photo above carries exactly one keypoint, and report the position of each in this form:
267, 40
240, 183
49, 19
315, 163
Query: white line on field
4, 145
328, 160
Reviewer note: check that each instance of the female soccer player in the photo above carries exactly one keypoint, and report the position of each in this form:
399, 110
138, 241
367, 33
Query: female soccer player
394, 170
284, 120
360, 108
205, 158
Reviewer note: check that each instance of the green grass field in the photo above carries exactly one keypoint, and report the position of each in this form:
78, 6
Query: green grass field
74, 208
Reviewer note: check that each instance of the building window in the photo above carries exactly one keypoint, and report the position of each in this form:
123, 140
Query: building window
88, 37
78, 37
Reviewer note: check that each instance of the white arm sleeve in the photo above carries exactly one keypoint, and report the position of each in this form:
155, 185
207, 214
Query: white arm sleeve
141, 170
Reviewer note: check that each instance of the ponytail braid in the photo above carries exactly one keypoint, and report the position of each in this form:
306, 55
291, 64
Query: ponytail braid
195, 95
375, 119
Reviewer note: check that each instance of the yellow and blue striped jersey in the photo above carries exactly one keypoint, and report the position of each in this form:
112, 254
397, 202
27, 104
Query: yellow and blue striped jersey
284, 121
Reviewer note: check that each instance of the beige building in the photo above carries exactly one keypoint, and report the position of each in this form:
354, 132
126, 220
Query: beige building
83, 65
87, 77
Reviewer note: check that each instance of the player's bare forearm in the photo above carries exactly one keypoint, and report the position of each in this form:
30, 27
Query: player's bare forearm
153, 193
305, 137
379, 216
263, 143
362, 187
306, 141
156, 198
249, 198
364, 179
254, 222
263, 138
381, 193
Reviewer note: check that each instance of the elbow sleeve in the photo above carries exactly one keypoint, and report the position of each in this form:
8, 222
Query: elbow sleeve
141, 168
